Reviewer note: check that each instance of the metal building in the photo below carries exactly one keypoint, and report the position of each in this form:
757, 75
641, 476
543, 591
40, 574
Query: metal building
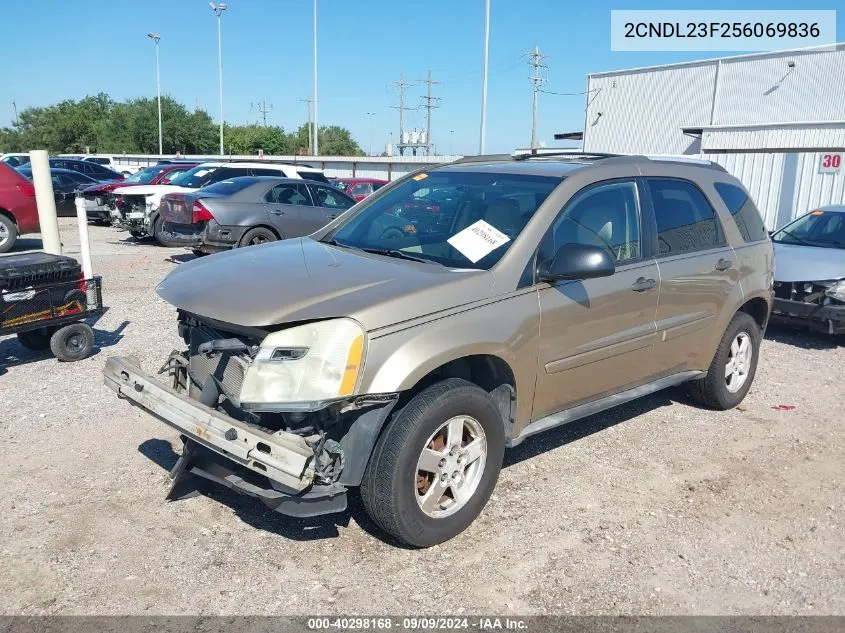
775, 120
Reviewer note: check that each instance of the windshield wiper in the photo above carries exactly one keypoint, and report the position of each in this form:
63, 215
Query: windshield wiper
334, 242
794, 237
389, 252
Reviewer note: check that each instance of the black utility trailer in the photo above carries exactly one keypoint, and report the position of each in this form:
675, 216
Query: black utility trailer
45, 300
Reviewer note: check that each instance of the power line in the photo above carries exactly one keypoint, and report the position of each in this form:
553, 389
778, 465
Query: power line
401, 107
308, 101
567, 94
430, 104
264, 108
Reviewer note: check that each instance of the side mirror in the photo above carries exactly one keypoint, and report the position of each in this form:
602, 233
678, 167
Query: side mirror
577, 261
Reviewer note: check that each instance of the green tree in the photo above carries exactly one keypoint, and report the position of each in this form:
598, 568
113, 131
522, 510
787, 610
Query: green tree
333, 141
248, 139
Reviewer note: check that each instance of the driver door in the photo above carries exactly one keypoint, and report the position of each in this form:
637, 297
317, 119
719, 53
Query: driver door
597, 335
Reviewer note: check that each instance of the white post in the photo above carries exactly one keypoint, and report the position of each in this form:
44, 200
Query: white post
316, 127
46, 201
220, 75
84, 243
158, 90
483, 134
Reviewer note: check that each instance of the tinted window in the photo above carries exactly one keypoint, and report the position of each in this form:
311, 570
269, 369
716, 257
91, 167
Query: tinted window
604, 215
378, 185
77, 177
195, 178
228, 187
288, 194
362, 188
330, 198
685, 220
266, 171
316, 176
742, 208
99, 160
226, 173
145, 176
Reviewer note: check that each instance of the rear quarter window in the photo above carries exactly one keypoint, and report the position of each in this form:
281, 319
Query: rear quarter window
313, 175
743, 210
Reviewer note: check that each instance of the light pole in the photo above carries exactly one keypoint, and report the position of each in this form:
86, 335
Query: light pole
218, 10
316, 127
155, 37
484, 78
371, 115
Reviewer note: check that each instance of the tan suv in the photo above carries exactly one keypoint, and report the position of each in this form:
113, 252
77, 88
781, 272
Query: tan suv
403, 347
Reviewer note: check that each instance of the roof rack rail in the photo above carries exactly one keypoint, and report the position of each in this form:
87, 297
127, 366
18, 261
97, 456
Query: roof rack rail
482, 158
560, 153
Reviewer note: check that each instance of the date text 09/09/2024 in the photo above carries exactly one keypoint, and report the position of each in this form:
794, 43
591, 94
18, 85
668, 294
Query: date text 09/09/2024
422, 623
721, 29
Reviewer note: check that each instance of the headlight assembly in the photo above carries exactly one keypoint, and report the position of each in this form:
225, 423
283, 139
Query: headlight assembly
836, 290
305, 365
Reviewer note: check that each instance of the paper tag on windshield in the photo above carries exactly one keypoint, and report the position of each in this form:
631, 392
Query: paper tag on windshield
477, 240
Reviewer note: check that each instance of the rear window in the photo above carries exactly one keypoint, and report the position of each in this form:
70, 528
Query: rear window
685, 220
745, 214
228, 187
313, 175
194, 178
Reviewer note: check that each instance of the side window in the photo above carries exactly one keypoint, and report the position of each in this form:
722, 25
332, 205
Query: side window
90, 169
312, 175
606, 215
362, 188
685, 220
377, 186
263, 171
288, 194
330, 198
224, 173
743, 210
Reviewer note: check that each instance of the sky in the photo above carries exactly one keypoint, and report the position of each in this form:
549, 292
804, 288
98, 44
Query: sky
58, 50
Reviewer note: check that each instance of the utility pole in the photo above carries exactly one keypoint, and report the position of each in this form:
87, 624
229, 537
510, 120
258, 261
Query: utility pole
308, 101
315, 133
430, 103
264, 109
484, 78
156, 37
536, 60
402, 85
370, 116
218, 11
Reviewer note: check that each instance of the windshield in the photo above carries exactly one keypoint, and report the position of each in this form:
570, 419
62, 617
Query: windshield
194, 178
231, 186
824, 229
145, 176
457, 219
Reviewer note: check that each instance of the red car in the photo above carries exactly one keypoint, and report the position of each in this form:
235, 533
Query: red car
359, 188
18, 211
95, 195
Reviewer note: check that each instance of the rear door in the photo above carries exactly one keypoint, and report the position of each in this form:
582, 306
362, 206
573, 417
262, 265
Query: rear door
597, 335
290, 210
697, 272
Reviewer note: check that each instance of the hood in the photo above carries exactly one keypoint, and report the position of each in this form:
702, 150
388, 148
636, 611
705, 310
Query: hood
147, 190
808, 263
302, 279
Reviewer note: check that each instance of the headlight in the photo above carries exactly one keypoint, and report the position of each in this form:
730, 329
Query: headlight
304, 364
836, 290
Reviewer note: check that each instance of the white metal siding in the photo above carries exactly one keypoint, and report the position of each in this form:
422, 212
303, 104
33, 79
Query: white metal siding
765, 89
785, 136
761, 174
643, 112
814, 189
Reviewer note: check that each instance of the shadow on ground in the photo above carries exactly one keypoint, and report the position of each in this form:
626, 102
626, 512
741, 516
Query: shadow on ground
13, 354
254, 513
802, 337
27, 244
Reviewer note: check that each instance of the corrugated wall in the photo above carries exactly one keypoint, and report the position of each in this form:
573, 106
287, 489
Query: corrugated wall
642, 112
788, 136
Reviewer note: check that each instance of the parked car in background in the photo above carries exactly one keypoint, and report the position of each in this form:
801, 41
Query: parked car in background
96, 196
18, 211
406, 364
15, 160
360, 188
249, 210
109, 161
136, 209
98, 172
66, 185
810, 270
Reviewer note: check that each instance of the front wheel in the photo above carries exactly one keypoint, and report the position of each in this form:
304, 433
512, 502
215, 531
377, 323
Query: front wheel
732, 371
436, 464
8, 234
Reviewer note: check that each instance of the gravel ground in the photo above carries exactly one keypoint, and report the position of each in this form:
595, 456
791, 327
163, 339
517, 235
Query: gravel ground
658, 507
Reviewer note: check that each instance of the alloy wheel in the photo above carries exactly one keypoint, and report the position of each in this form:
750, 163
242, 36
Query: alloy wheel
739, 362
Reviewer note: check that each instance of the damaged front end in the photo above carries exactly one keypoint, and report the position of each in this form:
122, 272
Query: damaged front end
298, 458
819, 305
131, 213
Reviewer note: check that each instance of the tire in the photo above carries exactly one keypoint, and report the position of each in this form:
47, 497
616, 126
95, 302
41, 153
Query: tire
393, 489
715, 390
36, 340
258, 235
72, 342
8, 233
156, 227
138, 235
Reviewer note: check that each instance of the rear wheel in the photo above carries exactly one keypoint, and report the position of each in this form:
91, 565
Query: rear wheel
157, 226
8, 234
732, 371
72, 342
36, 340
436, 464
256, 236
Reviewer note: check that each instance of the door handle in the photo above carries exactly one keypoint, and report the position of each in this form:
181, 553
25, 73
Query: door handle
642, 284
277, 212
724, 264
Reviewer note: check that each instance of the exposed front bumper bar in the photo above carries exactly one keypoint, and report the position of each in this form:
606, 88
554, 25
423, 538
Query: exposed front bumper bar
282, 457
829, 318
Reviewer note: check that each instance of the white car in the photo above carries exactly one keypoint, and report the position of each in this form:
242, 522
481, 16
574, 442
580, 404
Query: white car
109, 161
15, 160
136, 208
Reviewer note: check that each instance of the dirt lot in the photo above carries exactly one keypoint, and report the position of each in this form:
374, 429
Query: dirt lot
659, 507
